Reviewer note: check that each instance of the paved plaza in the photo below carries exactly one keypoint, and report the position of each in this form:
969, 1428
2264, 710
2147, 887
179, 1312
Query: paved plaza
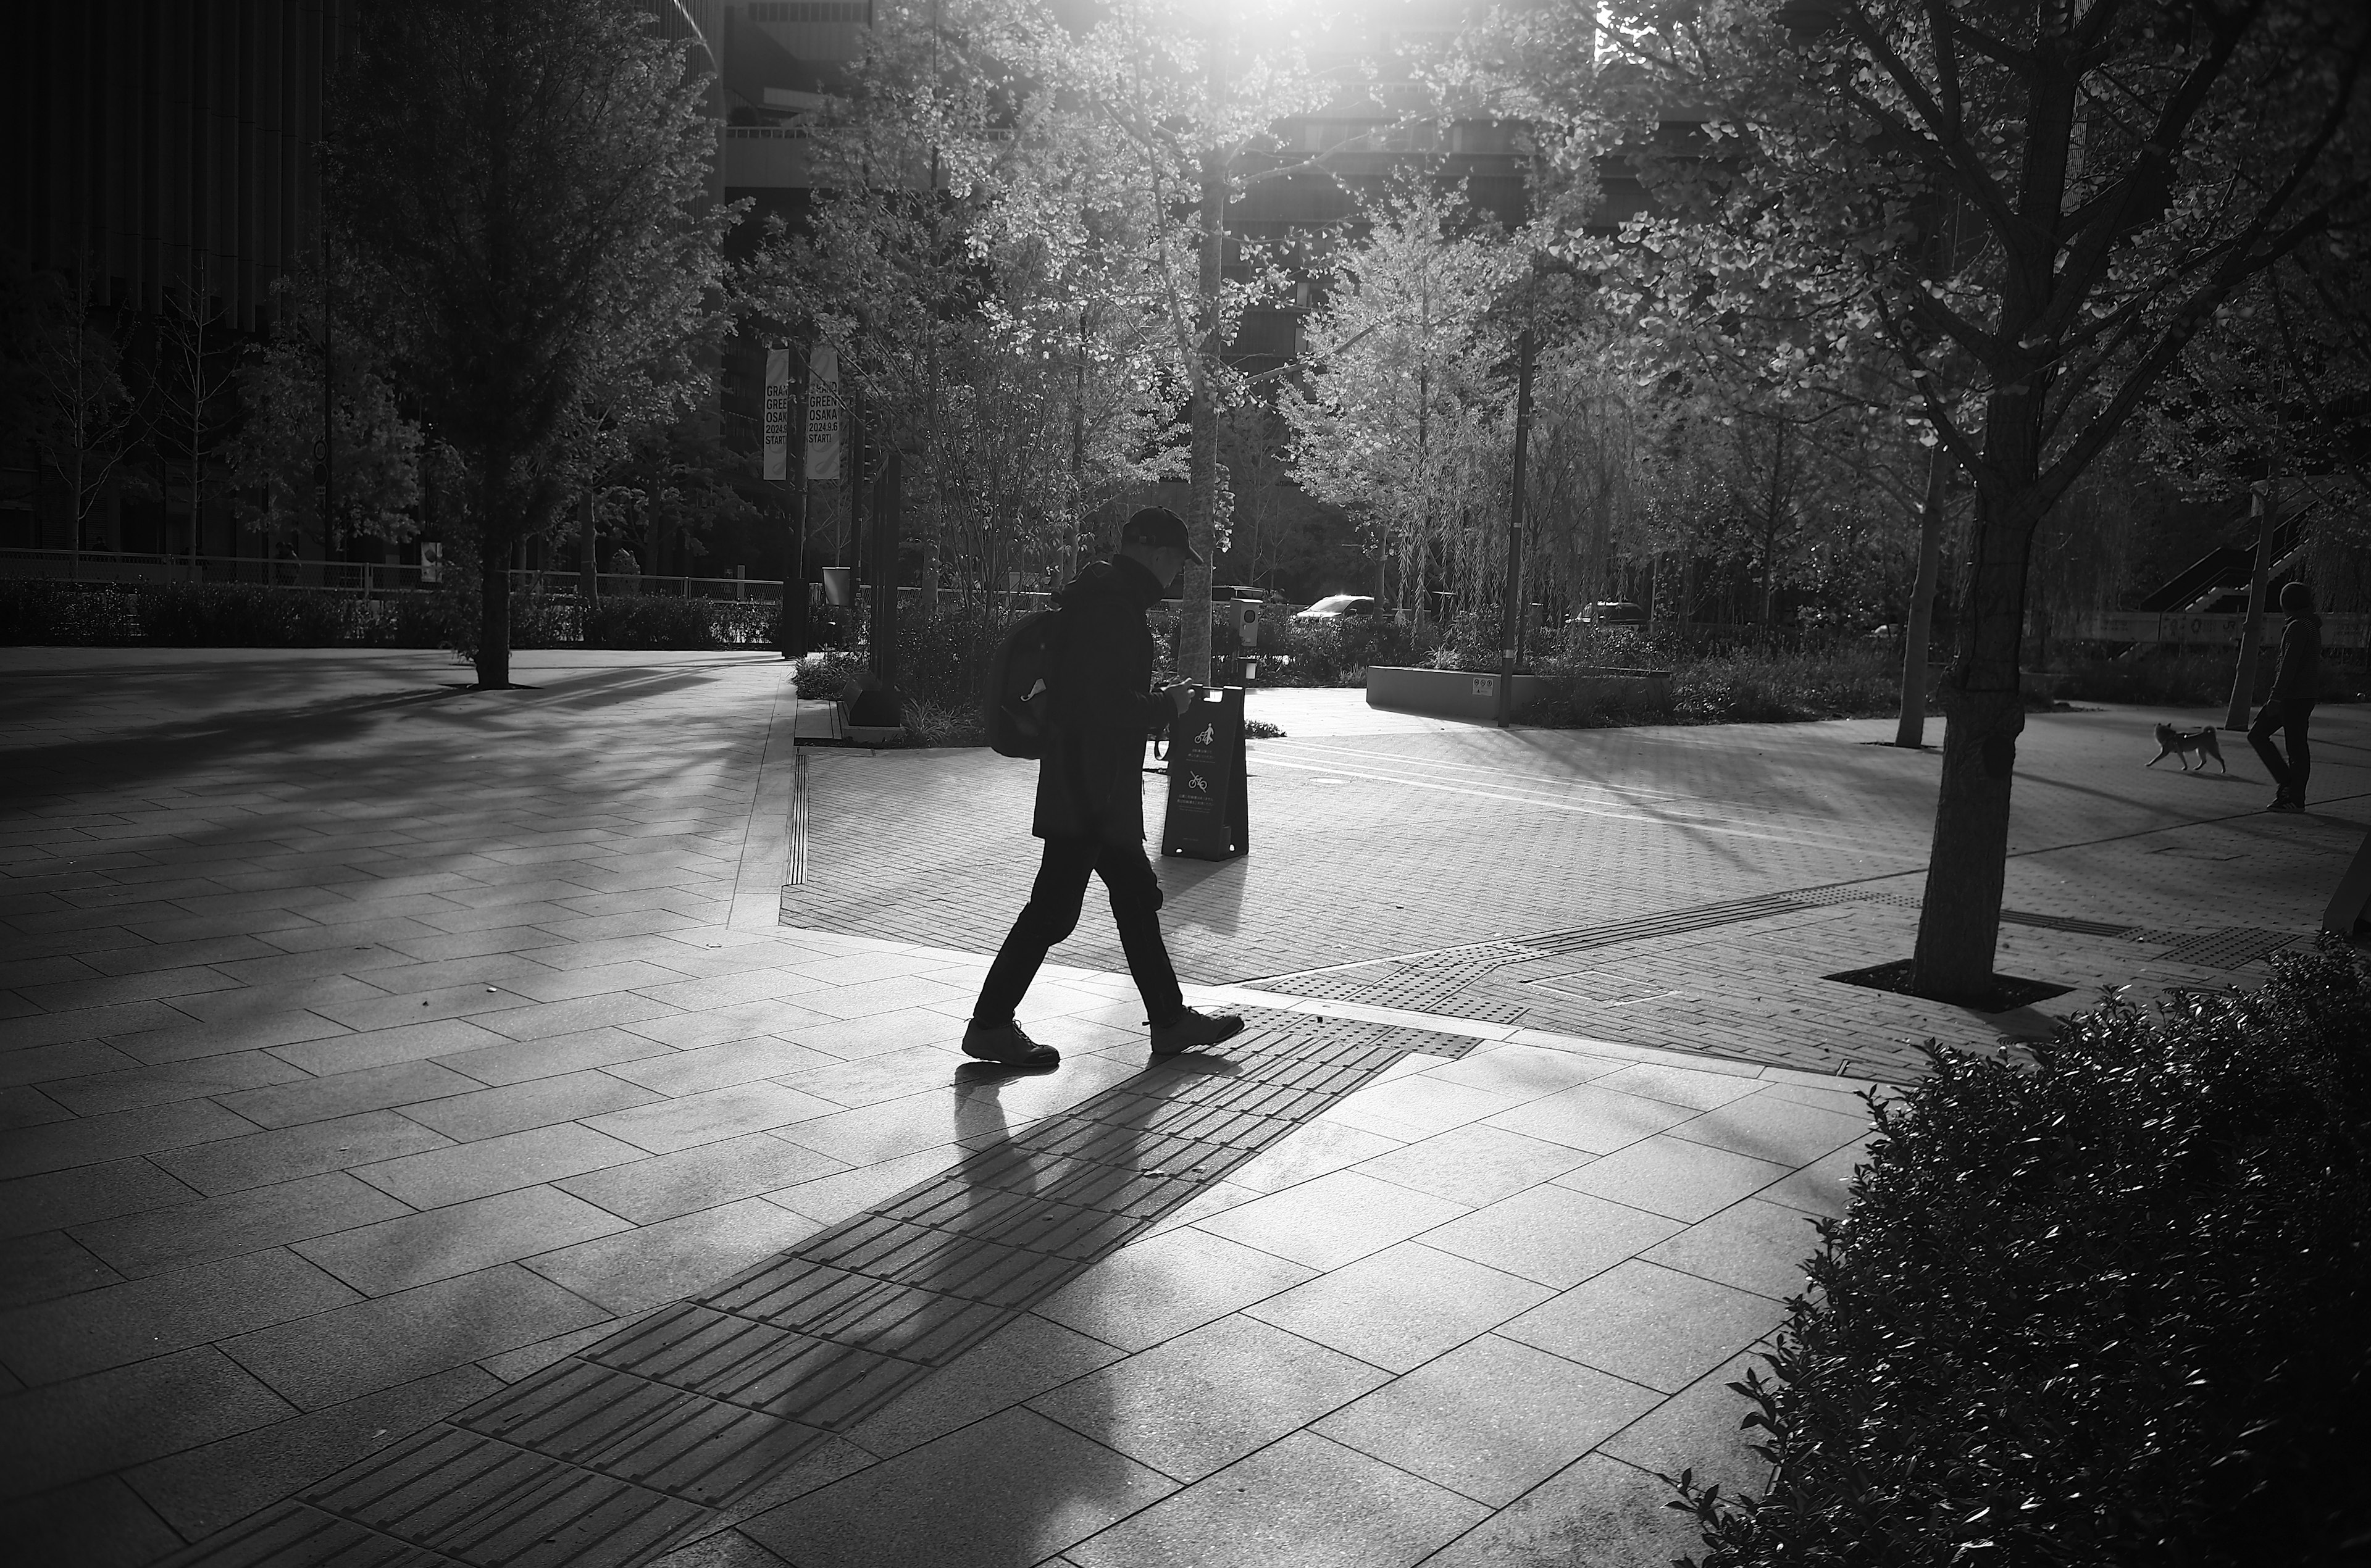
435, 1133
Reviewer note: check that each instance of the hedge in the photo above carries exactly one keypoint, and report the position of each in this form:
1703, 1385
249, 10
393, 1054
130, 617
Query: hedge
255, 615
2113, 1307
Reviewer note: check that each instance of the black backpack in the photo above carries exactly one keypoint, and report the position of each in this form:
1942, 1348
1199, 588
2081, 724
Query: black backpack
1020, 686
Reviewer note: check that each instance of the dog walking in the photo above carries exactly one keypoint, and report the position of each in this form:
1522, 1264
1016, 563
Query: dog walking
1090, 807
2295, 678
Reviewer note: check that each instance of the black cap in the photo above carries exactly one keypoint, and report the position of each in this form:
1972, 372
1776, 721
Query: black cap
1160, 529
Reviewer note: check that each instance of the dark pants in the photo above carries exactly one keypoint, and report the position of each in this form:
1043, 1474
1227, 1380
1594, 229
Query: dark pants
2284, 713
1052, 914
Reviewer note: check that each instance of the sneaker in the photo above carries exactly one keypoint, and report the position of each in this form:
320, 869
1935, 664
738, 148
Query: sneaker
2284, 803
1007, 1043
1190, 1031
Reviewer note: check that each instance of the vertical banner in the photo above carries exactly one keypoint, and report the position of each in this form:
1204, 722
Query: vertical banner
823, 413
778, 413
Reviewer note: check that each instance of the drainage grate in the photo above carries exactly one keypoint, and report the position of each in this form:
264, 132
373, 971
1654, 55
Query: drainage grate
2230, 948
612, 1455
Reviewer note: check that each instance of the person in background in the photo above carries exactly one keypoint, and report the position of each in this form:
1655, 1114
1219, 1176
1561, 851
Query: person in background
1090, 806
2295, 677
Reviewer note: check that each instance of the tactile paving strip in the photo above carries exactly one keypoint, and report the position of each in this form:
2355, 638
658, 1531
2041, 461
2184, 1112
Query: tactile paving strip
646, 1440
1442, 982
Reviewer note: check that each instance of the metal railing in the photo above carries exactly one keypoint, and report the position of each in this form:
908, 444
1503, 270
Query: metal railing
345, 576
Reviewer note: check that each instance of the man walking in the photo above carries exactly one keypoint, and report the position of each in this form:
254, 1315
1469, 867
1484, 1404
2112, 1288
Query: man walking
2295, 678
1091, 799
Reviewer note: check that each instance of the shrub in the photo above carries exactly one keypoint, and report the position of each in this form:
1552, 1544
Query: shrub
65, 614
2116, 1308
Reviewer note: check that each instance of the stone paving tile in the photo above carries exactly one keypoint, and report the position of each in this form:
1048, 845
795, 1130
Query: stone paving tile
1698, 1429
1594, 1120
113, 1420
1313, 1149
1167, 1284
1649, 1324
132, 1088
157, 1240
899, 1030
1753, 1246
1596, 1513
68, 1338
345, 1094
663, 1125
1162, 1407
871, 1134
1781, 1131
719, 1067
87, 1023
872, 1080
537, 1102
100, 1522
381, 1047
830, 1199
1669, 1176
460, 1239
92, 1140
1013, 1490
663, 1186
284, 1154
588, 1014
204, 1489
1028, 1358
1399, 1307
341, 1354
187, 1041
1328, 1222
669, 1260
497, 1164
41, 1063
718, 1026
1307, 1501
47, 1264
1491, 1419
1474, 1165
152, 984
553, 1055
1551, 1235
23, 1106
86, 1193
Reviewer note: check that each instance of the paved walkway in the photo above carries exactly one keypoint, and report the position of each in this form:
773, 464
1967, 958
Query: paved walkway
422, 1128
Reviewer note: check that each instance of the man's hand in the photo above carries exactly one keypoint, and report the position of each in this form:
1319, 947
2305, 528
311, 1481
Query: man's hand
1182, 693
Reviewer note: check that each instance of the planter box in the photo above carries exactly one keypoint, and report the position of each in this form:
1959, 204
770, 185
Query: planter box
1637, 686
1462, 694
1444, 694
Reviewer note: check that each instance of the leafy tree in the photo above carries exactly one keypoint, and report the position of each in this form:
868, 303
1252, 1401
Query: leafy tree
523, 187
274, 458
1401, 399
83, 422
2123, 171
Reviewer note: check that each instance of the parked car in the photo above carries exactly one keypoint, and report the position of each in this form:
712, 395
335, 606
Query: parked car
1335, 605
1610, 612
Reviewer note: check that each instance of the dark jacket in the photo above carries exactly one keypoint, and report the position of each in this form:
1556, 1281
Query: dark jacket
2298, 676
1091, 780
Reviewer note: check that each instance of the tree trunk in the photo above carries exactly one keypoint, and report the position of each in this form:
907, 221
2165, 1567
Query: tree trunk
1912, 730
1958, 920
2265, 501
494, 659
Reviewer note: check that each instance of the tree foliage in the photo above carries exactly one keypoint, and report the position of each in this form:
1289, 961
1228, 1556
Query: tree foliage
523, 192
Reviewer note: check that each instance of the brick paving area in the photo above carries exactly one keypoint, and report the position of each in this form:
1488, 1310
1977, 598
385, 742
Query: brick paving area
1437, 842
374, 1052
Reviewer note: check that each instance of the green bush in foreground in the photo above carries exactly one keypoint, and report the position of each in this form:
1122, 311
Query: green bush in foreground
2112, 1309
